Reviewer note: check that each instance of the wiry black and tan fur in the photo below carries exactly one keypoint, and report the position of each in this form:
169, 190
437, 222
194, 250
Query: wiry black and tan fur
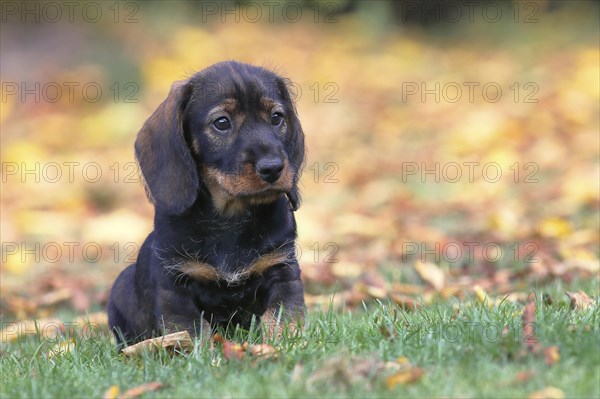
222, 249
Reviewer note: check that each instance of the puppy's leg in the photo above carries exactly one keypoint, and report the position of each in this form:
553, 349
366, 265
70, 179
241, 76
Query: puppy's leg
177, 312
286, 309
129, 320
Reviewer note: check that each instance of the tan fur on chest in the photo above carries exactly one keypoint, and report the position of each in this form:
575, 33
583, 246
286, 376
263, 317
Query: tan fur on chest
202, 271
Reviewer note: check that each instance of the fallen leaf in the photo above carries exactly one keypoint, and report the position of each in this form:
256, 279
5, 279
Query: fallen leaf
407, 289
54, 297
373, 284
236, 351
431, 273
407, 376
374, 292
179, 341
530, 340
403, 360
524, 376
481, 294
552, 355
231, 350
112, 392
262, 351
580, 300
548, 393
405, 302
141, 389
554, 227
347, 269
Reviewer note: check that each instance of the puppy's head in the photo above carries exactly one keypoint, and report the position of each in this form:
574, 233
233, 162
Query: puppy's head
231, 128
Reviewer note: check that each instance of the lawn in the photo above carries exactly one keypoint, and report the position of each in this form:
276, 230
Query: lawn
469, 348
449, 232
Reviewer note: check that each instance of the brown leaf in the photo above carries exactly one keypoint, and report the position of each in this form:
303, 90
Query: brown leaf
179, 341
375, 292
235, 351
141, 389
524, 376
405, 302
552, 355
231, 350
54, 297
262, 351
580, 300
431, 273
530, 340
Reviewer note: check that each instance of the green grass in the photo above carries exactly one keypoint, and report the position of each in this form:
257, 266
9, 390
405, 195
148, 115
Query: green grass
463, 354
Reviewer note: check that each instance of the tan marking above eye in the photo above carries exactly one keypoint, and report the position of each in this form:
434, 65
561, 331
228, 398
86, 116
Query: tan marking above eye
229, 109
230, 105
269, 107
266, 104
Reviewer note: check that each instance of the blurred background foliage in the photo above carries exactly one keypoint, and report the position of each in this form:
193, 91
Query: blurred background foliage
353, 64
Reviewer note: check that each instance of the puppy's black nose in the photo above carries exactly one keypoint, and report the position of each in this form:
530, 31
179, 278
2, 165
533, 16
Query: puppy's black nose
269, 169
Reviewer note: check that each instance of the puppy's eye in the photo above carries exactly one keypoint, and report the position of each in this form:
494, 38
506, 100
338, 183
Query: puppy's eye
222, 123
276, 118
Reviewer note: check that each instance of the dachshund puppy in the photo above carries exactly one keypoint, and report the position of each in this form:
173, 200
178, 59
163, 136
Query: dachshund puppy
220, 158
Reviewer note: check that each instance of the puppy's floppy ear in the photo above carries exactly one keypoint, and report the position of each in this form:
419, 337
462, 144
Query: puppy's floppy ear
294, 145
166, 162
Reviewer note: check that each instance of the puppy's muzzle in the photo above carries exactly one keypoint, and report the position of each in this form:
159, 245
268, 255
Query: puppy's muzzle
269, 169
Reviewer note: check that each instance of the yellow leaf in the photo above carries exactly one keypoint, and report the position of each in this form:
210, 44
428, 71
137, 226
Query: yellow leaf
406, 376
431, 273
548, 393
552, 355
347, 269
112, 392
554, 227
403, 360
481, 294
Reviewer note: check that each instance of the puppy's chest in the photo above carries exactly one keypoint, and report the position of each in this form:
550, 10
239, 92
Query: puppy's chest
234, 267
